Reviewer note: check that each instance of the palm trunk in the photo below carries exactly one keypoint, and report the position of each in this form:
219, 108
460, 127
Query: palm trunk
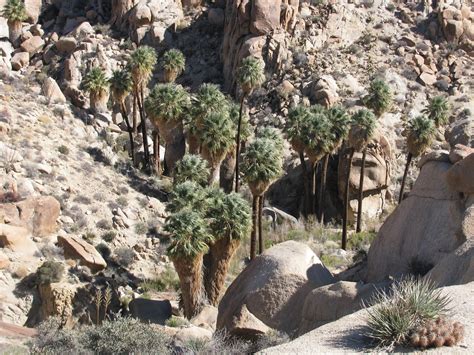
305, 185
407, 167
253, 237
314, 200
193, 144
190, 281
144, 131
322, 192
135, 115
156, 152
226, 180
346, 201
130, 131
237, 145
221, 253
261, 246
14, 28
361, 192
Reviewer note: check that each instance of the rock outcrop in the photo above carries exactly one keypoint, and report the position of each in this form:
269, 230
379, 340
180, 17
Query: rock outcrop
57, 300
17, 239
78, 249
457, 22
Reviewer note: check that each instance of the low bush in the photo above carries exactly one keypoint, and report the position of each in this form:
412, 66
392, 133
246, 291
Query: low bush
177, 322
49, 272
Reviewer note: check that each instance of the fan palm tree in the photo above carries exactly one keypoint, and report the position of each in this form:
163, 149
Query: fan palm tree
230, 218
191, 168
187, 194
438, 111
173, 63
249, 76
420, 133
166, 106
96, 83
262, 163
141, 64
120, 87
189, 242
379, 98
15, 13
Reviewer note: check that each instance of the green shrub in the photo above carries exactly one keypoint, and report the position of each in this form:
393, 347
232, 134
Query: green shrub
109, 236
360, 240
63, 149
167, 281
49, 272
124, 256
122, 201
53, 339
177, 322
141, 228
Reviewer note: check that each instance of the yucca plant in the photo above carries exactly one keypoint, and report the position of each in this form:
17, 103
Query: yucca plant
121, 86
191, 168
230, 222
187, 194
250, 75
166, 106
419, 133
189, 242
438, 111
173, 63
262, 163
15, 13
379, 98
95, 82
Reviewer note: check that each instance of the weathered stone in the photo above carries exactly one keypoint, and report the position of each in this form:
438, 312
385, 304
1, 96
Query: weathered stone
52, 91
461, 131
57, 300
207, 318
20, 60
66, 45
265, 16
77, 248
459, 152
83, 29
17, 239
140, 15
461, 175
32, 45
427, 79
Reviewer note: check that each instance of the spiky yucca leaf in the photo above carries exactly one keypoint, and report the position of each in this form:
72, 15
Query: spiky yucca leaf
420, 132
191, 168
14, 11
379, 97
189, 234
363, 127
174, 60
250, 74
120, 84
141, 63
438, 111
217, 132
186, 195
262, 161
296, 126
167, 102
95, 81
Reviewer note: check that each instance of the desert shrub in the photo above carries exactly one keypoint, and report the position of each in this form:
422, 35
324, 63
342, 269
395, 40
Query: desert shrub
141, 228
49, 272
177, 322
272, 338
104, 224
122, 201
63, 149
54, 339
103, 250
109, 236
360, 240
89, 236
410, 304
124, 256
167, 281
332, 261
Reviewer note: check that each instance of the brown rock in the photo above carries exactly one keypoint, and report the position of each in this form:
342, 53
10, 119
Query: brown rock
20, 60
33, 10
66, 45
461, 176
461, 131
427, 79
32, 45
17, 239
265, 16
140, 15
77, 248
57, 300
459, 152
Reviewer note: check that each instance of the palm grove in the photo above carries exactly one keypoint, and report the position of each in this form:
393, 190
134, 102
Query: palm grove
206, 130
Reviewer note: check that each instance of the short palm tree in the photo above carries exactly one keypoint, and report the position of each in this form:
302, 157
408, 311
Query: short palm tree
230, 218
173, 63
420, 133
191, 168
96, 83
15, 13
187, 194
262, 163
166, 106
249, 76
362, 131
379, 98
120, 86
189, 242
438, 111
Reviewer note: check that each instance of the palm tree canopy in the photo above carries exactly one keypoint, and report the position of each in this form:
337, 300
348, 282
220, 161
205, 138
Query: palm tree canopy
14, 11
272, 134
262, 161
208, 98
142, 62
438, 110
250, 74
120, 84
319, 138
95, 81
420, 132
167, 102
189, 234
186, 195
217, 132
379, 97
174, 60
340, 123
191, 168
363, 128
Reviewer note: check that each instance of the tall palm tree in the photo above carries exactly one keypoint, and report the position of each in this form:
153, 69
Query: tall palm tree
262, 163
191, 168
141, 64
120, 87
96, 83
173, 63
249, 76
189, 242
438, 110
420, 133
166, 106
15, 13
379, 98
360, 135
230, 222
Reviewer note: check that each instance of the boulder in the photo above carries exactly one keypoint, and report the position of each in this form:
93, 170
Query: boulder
66, 45
4, 31
16, 239
264, 16
57, 300
151, 311
325, 91
52, 91
461, 131
461, 175
459, 152
191, 334
20, 60
424, 228
207, 318
140, 15
83, 29
32, 45
33, 10
78, 249
270, 291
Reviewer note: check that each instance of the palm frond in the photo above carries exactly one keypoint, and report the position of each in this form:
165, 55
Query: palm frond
14, 11
262, 161
120, 84
167, 102
438, 110
272, 134
191, 168
95, 81
217, 132
174, 60
250, 74
141, 64
379, 98
187, 194
363, 127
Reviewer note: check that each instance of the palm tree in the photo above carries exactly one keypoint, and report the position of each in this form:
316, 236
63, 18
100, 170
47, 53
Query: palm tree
191, 168
141, 65
379, 98
189, 242
96, 83
173, 63
438, 111
187, 194
166, 106
420, 133
15, 13
360, 135
249, 76
120, 87
262, 163
230, 218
